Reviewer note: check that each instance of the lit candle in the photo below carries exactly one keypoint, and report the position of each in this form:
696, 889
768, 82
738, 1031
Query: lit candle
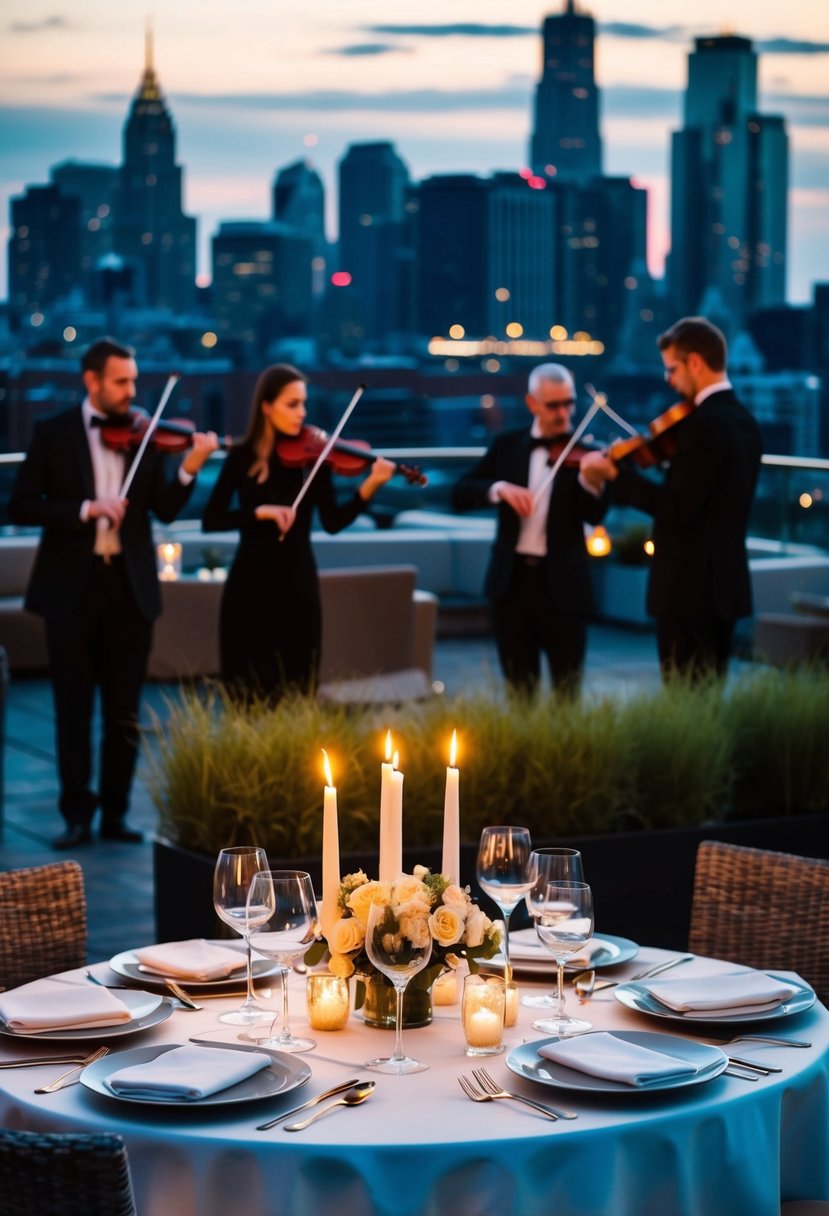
327, 1000
451, 866
391, 816
330, 853
445, 989
482, 1014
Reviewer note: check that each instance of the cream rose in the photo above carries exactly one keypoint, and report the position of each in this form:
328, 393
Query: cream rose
455, 897
369, 893
446, 926
341, 966
346, 934
477, 923
415, 926
408, 888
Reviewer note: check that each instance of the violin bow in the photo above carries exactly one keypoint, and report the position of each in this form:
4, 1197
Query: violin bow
601, 401
329, 443
148, 434
566, 450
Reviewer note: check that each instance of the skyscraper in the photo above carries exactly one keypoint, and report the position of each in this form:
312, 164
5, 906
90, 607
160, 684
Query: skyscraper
729, 179
44, 251
151, 231
566, 143
93, 185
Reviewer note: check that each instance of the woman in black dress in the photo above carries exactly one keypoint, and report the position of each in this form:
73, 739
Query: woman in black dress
271, 625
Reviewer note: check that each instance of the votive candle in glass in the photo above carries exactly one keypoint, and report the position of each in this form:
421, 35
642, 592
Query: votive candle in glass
482, 1014
328, 1001
512, 1002
445, 989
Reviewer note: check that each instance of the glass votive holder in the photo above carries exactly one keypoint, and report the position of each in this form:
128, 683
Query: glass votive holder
328, 1000
512, 1003
168, 558
482, 1014
445, 989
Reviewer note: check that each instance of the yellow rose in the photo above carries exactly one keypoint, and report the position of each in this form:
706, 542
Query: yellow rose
341, 965
369, 893
446, 926
346, 934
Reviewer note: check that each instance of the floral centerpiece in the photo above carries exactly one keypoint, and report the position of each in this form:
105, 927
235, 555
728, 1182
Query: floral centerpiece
424, 904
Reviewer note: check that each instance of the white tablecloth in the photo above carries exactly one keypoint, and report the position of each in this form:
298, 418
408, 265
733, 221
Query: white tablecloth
418, 1147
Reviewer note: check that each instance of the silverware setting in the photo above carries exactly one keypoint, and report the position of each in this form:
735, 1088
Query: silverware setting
647, 974
38, 1061
353, 1096
328, 1093
741, 1074
67, 1078
485, 1089
765, 1070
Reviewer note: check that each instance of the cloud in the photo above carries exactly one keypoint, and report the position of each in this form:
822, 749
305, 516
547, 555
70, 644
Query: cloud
791, 46
461, 29
371, 48
35, 27
627, 29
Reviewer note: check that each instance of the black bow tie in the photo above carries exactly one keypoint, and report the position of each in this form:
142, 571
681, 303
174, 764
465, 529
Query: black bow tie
538, 441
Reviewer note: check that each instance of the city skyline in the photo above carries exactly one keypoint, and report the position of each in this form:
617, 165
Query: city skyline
451, 97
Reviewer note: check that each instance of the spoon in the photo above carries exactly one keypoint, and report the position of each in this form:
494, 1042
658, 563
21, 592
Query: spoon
351, 1097
584, 985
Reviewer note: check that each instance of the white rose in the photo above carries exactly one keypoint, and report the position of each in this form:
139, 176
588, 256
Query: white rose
408, 888
415, 926
346, 934
455, 897
421, 871
446, 926
477, 923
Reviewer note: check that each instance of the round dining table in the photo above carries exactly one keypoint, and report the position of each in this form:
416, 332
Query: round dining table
419, 1147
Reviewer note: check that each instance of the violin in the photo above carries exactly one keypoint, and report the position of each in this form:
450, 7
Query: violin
658, 445
123, 432
573, 458
348, 459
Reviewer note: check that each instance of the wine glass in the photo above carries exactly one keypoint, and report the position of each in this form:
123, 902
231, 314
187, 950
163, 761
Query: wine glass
284, 933
393, 952
232, 877
503, 872
546, 866
564, 923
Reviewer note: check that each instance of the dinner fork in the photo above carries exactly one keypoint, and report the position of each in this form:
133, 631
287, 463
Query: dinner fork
488, 1084
60, 1081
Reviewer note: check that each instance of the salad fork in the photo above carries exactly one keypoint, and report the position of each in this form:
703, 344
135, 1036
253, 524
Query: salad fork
60, 1081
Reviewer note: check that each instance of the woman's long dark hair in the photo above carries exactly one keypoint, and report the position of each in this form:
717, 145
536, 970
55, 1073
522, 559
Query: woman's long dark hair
258, 437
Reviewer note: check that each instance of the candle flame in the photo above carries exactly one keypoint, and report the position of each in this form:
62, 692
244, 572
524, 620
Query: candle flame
388, 746
394, 760
327, 767
453, 749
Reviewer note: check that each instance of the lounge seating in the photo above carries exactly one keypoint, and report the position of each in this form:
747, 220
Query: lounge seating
51, 1174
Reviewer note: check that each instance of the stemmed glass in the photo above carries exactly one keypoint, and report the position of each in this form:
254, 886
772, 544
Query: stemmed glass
284, 933
399, 958
232, 877
503, 872
546, 866
564, 923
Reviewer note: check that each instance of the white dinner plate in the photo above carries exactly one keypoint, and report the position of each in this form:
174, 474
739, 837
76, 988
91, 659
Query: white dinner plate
709, 1062
282, 1075
146, 1009
535, 959
636, 996
127, 964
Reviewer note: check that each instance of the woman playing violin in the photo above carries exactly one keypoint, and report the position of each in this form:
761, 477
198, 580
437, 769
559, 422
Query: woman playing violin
271, 622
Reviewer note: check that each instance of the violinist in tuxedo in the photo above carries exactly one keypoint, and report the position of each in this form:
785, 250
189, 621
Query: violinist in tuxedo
538, 579
699, 581
94, 581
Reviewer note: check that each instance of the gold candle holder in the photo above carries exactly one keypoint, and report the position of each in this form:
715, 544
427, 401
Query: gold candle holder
328, 1000
512, 1003
168, 557
482, 1014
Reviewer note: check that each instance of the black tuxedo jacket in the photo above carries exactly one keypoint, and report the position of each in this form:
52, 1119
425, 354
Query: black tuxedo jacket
567, 561
700, 511
52, 483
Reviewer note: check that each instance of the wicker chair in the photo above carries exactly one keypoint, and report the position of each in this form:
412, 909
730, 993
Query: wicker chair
42, 922
762, 909
48, 1174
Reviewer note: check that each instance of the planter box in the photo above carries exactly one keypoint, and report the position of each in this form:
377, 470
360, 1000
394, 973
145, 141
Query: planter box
642, 881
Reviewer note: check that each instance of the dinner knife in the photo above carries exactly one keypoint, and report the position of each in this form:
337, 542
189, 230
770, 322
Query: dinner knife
329, 1093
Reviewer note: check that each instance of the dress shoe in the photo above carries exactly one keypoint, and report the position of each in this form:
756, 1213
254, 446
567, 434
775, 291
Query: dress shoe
72, 836
120, 832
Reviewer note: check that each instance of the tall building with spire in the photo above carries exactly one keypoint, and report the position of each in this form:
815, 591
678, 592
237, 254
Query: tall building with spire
566, 143
729, 182
151, 231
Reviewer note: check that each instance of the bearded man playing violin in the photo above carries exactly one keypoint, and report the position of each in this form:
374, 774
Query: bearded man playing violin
699, 582
538, 578
94, 581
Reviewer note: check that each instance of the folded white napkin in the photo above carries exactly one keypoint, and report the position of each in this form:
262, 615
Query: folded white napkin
525, 945
60, 1005
191, 960
186, 1074
730, 994
603, 1055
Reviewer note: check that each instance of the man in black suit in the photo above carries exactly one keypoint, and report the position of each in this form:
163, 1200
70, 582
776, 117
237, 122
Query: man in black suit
94, 581
538, 577
699, 584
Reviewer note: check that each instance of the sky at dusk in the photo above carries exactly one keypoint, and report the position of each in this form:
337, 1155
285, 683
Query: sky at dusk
257, 84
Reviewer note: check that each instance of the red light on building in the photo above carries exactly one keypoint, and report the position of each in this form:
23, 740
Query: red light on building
341, 278
536, 183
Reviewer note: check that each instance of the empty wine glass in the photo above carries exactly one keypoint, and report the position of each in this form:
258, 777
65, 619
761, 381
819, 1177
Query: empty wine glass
503, 872
564, 923
232, 877
283, 932
399, 946
546, 866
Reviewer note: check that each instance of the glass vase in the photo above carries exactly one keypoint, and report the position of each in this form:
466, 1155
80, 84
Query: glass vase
380, 1006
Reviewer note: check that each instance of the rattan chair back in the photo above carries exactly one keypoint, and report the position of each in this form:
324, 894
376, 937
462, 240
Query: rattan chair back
49, 1174
42, 922
762, 909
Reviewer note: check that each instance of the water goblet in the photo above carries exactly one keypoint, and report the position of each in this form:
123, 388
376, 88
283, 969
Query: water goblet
283, 934
392, 950
546, 866
564, 924
503, 872
232, 877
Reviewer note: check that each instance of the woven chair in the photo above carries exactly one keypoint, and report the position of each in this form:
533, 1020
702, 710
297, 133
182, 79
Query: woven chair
762, 909
42, 922
48, 1174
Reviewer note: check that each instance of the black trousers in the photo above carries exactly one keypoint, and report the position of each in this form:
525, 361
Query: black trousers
104, 644
527, 625
693, 647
